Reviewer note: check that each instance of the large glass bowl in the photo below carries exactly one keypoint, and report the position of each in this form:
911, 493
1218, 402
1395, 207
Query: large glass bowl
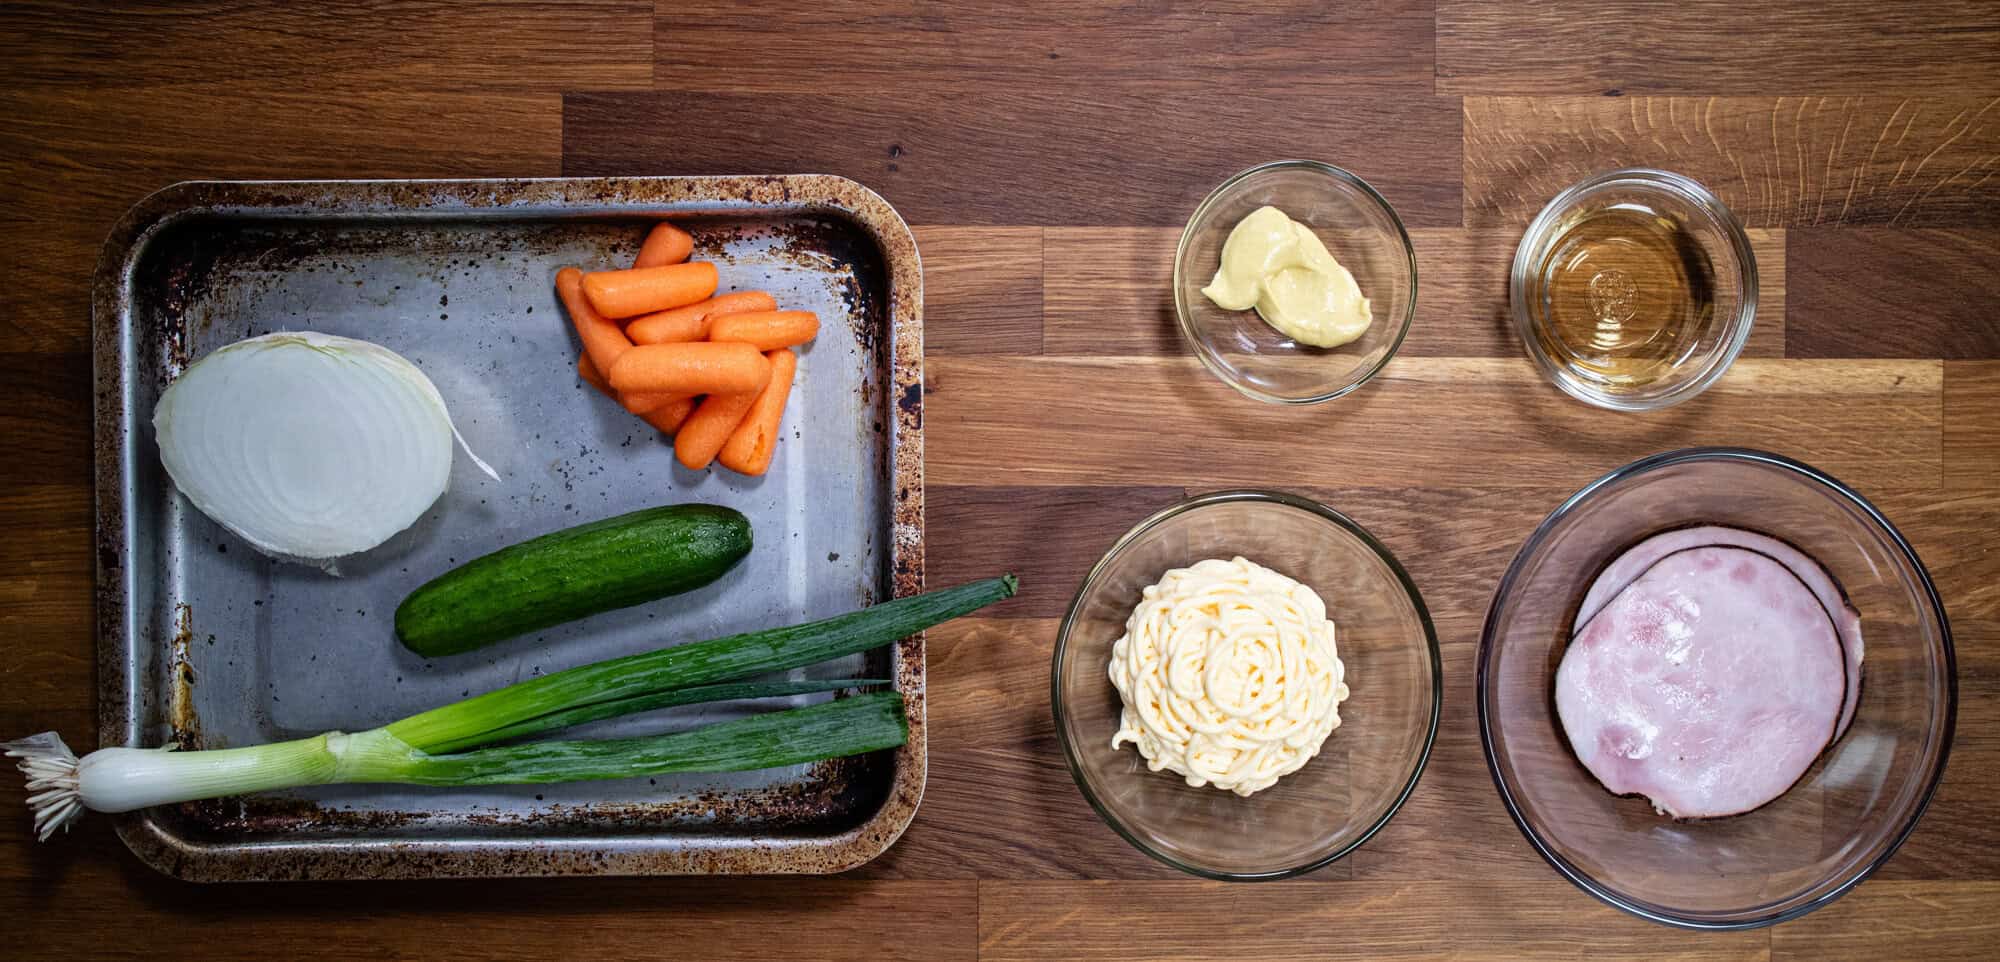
1849, 812
1366, 768
1362, 232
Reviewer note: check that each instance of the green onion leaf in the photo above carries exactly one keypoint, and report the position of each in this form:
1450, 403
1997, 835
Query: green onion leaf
835, 729
733, 691
720, 659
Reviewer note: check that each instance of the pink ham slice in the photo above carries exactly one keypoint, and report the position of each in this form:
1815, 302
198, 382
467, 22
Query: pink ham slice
1636, 559
1709, 684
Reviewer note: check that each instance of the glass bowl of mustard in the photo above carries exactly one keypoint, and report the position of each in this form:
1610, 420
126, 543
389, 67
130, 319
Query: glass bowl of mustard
1295, 282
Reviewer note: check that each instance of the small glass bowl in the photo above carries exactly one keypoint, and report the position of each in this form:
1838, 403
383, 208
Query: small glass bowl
1362, 232
1844, 817
1365, 769
1718, 238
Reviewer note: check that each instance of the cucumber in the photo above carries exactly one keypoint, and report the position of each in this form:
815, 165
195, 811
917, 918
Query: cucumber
614, 563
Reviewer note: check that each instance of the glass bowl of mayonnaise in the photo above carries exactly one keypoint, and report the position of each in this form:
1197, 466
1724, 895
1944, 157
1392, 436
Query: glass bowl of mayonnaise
1295, 282
1247, 685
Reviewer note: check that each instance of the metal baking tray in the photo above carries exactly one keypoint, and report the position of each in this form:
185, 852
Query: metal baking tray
204, 643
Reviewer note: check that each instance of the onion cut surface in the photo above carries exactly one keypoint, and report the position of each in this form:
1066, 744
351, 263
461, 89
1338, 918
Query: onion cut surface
308, 446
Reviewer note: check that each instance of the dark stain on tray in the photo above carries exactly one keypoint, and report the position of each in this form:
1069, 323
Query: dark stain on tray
109, 557
186, 723
857, 267
179, 268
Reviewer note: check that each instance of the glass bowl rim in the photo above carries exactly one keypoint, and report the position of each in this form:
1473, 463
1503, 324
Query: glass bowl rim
1658, 181
1183, 312
1662, 914
1210, 499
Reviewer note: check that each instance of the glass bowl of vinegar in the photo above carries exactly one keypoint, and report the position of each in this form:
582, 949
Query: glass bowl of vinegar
1634, 290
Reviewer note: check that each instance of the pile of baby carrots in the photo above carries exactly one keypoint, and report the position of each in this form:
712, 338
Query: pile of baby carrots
710, 370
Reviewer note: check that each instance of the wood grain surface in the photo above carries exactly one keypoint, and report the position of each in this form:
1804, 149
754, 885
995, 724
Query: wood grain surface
1047, 154
1929, 161
1705, 47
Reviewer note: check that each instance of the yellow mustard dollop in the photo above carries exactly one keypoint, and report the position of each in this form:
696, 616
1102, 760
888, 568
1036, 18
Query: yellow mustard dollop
1280, 267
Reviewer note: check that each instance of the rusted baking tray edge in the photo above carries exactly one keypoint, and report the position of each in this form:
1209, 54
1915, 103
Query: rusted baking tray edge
119, 721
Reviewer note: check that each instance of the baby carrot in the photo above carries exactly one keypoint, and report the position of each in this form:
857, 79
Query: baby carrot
766, 330
750, 446
665, 244
603, 342
646, 402
641, 403
643, 290
690, 323
669, 417
709, 427
589, 374
697, 368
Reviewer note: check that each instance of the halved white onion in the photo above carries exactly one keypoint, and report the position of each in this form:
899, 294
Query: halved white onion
308, 446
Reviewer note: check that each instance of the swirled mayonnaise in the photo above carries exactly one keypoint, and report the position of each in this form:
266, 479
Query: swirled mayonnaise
1229, 675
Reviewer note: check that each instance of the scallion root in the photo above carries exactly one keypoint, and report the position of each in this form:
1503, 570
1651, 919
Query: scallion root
52, 781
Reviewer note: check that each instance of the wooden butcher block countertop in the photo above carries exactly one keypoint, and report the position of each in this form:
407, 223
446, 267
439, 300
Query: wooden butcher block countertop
1047, 154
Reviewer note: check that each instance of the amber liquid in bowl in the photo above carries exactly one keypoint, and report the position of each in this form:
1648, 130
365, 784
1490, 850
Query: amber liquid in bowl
1628, 292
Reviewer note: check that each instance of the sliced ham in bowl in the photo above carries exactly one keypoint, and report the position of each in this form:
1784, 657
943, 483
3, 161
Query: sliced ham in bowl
1627, 568
1709, 683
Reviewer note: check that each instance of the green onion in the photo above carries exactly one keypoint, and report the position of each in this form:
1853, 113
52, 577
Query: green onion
846, 726
432, 748
722, 659
737, 691
123, 779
